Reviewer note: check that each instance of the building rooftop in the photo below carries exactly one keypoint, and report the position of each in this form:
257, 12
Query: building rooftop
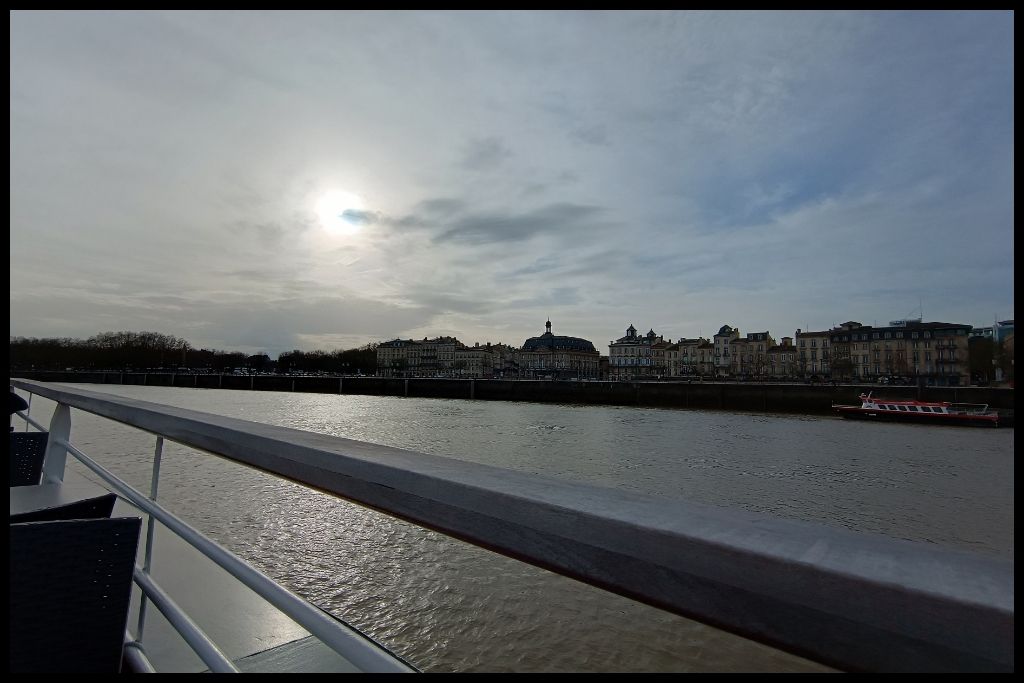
551, 342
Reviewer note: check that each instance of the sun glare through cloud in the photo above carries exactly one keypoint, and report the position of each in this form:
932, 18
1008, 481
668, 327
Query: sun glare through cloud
340, 212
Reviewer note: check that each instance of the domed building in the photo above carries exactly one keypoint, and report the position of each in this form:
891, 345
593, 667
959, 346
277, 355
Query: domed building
637, 356
556, 357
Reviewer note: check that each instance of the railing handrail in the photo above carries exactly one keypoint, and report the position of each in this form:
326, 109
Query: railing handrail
344, 640
850, 600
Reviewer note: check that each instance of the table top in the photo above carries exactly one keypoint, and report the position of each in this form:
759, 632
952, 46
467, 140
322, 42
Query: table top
73, 489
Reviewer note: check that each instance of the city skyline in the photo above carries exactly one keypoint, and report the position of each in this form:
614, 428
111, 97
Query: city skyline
268, 181
663, 335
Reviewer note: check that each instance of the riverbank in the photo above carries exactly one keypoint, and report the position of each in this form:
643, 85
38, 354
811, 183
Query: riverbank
769, 397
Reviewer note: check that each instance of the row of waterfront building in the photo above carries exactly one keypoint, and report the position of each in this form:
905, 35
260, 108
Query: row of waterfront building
932, 352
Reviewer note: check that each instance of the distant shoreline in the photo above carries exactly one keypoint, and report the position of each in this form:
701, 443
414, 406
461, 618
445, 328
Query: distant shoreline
807, 399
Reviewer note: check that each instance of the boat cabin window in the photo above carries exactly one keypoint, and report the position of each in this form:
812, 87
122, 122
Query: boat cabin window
903, 407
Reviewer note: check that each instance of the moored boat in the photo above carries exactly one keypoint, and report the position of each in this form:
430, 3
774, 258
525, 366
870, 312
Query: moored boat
925, 412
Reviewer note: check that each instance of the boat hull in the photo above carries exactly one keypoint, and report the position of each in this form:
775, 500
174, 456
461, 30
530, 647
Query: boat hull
856, 412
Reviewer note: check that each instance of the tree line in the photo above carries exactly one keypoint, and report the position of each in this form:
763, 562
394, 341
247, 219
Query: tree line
988, 356
136, 351
361, 360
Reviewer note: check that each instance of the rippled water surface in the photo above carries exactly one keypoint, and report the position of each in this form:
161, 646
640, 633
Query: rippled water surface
448, 606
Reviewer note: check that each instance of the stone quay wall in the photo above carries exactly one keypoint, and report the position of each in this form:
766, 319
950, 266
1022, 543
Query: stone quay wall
768, 397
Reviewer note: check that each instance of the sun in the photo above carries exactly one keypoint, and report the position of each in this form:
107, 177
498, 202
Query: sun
340, 212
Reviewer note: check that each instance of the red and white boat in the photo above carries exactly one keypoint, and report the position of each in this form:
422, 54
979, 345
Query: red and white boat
924, 412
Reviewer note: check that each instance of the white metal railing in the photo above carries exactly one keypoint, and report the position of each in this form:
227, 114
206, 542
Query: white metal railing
853, 601
356, 648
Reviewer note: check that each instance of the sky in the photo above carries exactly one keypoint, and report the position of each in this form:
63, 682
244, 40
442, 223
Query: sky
268, 181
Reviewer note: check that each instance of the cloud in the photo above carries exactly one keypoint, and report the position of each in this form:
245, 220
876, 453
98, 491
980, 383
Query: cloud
485, 154
562, 220
361, 217
595, 134
272, 325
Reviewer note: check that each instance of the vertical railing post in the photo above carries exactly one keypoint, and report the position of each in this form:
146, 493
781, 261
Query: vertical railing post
57, 454
28, 411
150, 529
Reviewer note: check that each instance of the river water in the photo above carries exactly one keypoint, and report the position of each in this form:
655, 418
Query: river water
448, 606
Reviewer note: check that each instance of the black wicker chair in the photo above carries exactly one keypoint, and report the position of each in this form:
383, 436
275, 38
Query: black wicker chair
26, 457
71, 585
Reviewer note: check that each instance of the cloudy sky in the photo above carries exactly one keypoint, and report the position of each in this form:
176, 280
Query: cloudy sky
266, 181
